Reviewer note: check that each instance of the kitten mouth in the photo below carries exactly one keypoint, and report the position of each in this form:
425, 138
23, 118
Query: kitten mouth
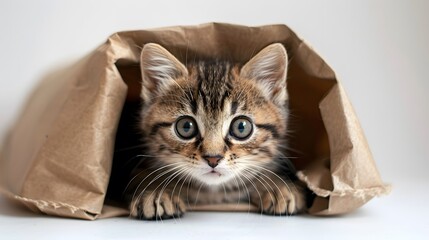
214, 172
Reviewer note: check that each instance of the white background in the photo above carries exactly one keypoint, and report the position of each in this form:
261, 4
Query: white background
379, 49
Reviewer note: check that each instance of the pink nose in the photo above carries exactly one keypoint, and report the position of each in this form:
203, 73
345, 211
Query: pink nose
213, 161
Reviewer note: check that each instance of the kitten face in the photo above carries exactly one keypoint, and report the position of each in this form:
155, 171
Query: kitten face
213, 121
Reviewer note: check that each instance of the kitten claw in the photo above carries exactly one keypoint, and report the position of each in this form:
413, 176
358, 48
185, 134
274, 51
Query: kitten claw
281, 201
155, 206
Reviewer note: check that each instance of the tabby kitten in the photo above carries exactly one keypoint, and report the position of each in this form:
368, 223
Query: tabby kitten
213, 132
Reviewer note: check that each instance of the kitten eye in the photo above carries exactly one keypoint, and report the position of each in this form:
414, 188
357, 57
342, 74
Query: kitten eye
241, 128
186, 127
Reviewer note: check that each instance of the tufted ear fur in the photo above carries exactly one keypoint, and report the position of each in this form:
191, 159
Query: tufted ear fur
160, 69
269, 68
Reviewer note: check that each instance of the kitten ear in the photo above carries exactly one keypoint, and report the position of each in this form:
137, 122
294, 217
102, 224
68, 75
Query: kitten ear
159, 70
268, 68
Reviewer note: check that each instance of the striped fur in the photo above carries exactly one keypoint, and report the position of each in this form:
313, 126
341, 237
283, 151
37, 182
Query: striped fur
213, 93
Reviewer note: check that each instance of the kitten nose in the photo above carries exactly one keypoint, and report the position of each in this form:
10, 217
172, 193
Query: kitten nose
213, 161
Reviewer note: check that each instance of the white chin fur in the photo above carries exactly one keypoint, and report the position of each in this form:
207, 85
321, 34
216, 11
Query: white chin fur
213, 178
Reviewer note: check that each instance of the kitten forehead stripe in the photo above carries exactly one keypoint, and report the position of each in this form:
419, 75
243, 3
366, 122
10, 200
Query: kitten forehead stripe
192, 100
214, 84
234, 107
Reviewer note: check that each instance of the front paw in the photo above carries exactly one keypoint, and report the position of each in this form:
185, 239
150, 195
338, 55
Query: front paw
155, 205
281, 200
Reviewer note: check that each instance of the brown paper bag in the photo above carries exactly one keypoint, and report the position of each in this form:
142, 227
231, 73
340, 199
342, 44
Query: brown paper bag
57, 158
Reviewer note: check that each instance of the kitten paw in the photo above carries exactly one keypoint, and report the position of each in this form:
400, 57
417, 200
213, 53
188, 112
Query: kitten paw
154, 206
281, 201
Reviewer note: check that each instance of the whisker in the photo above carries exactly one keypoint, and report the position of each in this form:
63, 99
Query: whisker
181, 186
238, 177
238, 186
280, 178
142, 172
152, 181
165, 185
255, 176
275, 184
198, 193
224, 191
254, 186
187, 172
187, 193
277, 176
